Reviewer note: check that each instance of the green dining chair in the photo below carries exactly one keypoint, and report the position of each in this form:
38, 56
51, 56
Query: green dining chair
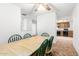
45, 34
49, 47
41, 51
27, 35
14, 37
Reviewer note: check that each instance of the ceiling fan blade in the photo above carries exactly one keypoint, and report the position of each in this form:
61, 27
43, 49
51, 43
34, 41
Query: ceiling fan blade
53, 7
46, 7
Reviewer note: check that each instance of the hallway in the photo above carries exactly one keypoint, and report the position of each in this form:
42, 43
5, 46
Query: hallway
64, 47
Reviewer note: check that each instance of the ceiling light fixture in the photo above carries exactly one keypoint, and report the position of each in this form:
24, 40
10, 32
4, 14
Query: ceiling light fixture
41, 8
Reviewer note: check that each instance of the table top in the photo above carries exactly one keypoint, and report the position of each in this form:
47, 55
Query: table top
24, 47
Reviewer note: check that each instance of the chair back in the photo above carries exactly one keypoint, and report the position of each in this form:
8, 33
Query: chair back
41, 51
45, 34
27, 36
14, 37
50, 43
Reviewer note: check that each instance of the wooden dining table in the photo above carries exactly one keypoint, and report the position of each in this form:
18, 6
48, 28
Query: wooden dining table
24, 47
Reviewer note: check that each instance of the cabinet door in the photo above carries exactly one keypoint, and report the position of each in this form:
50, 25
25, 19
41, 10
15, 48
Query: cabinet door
63, 25
70, 33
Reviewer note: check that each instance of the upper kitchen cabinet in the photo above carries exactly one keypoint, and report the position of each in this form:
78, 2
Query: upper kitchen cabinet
63, 24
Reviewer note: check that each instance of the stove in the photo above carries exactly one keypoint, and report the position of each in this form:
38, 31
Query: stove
65, 32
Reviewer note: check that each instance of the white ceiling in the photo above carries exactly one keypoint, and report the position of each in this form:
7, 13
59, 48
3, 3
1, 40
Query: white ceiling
62, 9
26, 7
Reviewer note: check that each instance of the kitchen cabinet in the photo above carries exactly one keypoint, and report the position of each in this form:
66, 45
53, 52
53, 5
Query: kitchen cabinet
68, 33
63, 25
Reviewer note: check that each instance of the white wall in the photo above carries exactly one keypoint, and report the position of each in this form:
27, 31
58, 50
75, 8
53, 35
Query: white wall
76, 28
47, 23
71, 24
10, 19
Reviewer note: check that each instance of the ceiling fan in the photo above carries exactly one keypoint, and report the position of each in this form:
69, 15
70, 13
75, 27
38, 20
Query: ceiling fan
46, 7
42, 7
